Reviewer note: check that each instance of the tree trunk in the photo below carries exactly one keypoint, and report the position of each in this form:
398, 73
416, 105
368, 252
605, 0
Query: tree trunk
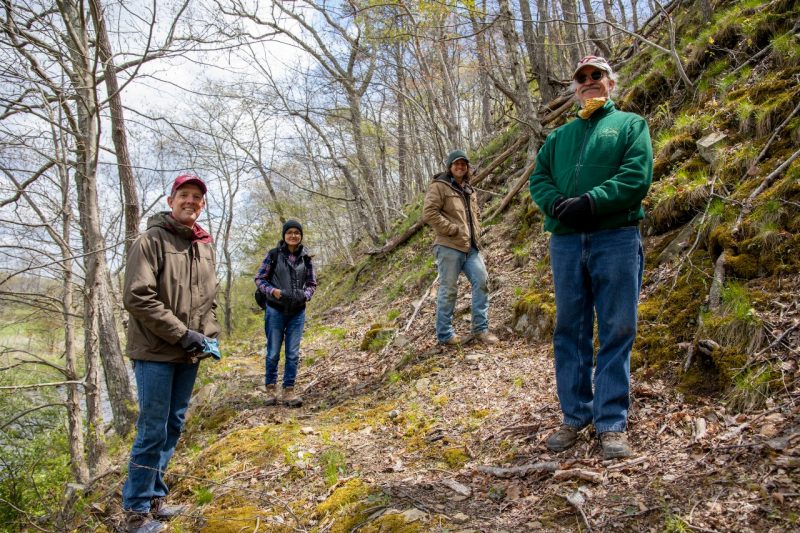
609, 14
591, 30
485, 83
570, 13
97, 275
547, 89
118, 131
406, 185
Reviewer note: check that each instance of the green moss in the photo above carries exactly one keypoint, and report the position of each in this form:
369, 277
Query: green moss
534, 313
392, 523
378, 336
348, 505
668, 316
455, 458
231, 519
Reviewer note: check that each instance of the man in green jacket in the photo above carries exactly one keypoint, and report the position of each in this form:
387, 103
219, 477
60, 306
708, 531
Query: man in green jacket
170, 292
451, 209
590, 179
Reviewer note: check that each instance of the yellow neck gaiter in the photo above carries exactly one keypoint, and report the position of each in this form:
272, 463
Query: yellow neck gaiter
591, 105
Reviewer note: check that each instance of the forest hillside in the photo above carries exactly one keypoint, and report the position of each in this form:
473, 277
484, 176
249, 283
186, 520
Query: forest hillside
400, 434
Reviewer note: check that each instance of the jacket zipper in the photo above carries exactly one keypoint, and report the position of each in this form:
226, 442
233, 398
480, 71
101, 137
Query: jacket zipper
579, 166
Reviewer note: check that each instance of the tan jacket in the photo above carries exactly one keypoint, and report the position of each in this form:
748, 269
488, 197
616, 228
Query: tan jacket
445, 211
170, 285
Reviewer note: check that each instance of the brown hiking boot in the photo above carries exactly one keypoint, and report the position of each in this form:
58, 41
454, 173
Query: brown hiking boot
487, 337
291, 398
615, 445
455, 340
142, 523
563, 438
161, 511
272, 394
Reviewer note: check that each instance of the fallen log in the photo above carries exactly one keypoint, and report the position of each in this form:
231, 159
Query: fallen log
519, 471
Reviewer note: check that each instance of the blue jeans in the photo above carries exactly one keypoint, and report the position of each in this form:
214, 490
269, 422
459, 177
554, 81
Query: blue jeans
596, 272
279, 327
451, 263
164, 390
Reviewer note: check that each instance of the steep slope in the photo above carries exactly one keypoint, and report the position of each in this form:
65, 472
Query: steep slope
398, 434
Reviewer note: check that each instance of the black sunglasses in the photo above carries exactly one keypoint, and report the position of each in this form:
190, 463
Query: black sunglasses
596, 75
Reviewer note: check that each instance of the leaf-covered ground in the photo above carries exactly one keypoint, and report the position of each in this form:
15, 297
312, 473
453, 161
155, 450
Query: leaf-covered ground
416, 437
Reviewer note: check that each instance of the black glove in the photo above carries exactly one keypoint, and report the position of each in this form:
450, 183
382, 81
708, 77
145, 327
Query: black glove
192, 341
575, 212
554, 208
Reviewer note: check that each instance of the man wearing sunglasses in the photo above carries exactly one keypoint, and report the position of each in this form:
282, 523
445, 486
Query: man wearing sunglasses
590, 179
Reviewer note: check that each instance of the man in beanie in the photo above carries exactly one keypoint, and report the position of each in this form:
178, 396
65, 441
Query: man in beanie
590, 179
451, 209
170, 292
287, 279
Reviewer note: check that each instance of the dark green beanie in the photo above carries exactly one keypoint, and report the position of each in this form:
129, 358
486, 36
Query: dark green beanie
455, 155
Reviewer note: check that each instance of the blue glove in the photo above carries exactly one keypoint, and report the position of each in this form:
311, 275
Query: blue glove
575, 212
192, 341
211, 347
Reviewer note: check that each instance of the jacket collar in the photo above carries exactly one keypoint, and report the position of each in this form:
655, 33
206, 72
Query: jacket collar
446, 177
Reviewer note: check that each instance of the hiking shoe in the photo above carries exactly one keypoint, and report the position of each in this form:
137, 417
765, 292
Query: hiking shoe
487, 337
615, 444
291, 398
142, 523
563, 438
161, 511
455, 340
272, 394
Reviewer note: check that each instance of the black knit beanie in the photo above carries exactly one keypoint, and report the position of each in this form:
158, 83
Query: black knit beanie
291, 224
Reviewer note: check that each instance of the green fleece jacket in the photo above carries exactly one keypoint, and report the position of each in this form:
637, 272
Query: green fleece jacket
608, 156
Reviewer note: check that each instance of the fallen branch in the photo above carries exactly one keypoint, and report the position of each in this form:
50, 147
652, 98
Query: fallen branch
519, 471
418, 305
394, 242
522, 180
497, 161
578, 473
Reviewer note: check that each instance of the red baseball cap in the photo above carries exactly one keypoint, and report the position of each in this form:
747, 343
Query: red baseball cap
183, 179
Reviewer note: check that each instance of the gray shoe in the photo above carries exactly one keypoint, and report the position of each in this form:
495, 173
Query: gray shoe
563, 438
142, 523
615, 445
161, 511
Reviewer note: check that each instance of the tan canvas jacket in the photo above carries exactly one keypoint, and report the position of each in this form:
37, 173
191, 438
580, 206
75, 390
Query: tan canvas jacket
445, 211
170, 285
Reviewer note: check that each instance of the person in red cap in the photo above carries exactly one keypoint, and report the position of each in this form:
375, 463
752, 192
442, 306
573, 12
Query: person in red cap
590, 179
170, 292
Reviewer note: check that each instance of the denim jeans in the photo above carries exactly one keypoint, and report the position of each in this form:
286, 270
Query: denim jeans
280, 327
164, 390
451, 263
596, 272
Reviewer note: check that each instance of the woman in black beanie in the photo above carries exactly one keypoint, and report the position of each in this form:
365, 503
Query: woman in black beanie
287, 279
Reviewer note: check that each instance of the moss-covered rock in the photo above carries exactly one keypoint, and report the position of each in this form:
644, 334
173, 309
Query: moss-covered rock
534, 315
378, 336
